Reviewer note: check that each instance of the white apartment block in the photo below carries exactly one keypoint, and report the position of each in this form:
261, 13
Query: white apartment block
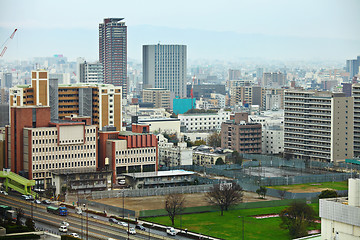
91, 72
340, 217
356, 95
171, 155
318, 125
204, 121
62, 147
272, 139
221, 99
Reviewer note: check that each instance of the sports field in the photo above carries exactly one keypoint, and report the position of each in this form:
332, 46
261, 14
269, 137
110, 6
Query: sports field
230, 226
312, 187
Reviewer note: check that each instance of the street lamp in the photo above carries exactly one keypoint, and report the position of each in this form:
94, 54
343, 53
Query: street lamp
243, 231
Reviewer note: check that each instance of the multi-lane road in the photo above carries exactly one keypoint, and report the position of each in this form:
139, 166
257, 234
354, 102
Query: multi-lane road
86, 226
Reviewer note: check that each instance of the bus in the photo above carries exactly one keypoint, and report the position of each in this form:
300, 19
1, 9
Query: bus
62, 211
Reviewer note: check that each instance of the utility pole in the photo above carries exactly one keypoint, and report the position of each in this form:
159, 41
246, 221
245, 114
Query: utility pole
87, 223
123, 203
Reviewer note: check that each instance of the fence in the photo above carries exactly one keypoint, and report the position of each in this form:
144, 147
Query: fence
108, 208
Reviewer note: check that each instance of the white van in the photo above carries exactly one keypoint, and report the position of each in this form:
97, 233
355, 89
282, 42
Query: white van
63, 229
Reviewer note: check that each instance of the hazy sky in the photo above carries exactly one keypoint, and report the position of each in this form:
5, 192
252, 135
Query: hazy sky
71, 27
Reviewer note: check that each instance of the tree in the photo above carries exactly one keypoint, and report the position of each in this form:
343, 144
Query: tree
297, 218
219, 161
328, 194
19, 215
224, 195
174, 205
214, 140
199, 142
261, 191
30, 224
236, 158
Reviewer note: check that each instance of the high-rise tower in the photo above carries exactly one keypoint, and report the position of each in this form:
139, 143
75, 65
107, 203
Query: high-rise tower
164, 66
113, 52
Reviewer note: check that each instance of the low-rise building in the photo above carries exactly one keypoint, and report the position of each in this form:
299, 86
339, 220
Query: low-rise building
159, 179
162, 125
194, 122
173, 155
204, 155
340, 217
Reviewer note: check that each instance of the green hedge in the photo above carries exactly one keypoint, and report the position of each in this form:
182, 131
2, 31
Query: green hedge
25, 236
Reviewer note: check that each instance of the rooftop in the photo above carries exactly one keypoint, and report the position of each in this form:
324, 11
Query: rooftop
159, 174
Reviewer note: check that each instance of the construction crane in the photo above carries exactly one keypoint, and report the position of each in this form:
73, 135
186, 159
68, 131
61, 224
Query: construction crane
4, 44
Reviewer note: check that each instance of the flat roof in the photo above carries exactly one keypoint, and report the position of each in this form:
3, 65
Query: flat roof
159, 174
159, 120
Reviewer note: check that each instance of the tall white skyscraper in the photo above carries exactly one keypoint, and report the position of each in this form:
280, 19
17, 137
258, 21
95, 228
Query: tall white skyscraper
164, 66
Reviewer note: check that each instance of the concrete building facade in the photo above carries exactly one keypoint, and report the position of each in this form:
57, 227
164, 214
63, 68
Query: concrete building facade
240, 135
113, 52
160, 97
356, 95
101, 102
91, 72
164, 66
318, 125
204, 121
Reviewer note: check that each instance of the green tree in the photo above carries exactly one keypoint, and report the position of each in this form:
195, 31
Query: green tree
219, 161
199, 142
214, 140
224, 195
174, 205
262, 191
328, 194
236, 158
297, 218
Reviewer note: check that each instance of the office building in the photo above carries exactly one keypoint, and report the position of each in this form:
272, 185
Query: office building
240, 135
318, 125
340, 216
36, 145
91, 72
6, 80
352, 67
160, 97
205, 90
113, 52
101, 102
164, 66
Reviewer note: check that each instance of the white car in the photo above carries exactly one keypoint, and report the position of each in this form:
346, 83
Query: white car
65, 224
123, 224
171, 231
132, 231
63, 229
3, 192
75, 235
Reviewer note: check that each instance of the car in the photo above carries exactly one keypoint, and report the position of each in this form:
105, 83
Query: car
37, 201
3, 192
75, 235
171, 231
25, 197
78, 211
131, 231
63, 229
113, 220
65, 224
123, 224
140, 227
47, 202
94, 217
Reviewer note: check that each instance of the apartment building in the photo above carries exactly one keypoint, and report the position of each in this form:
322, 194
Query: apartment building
273, 79
240, 135
272, 139
171, 155
356, 95
101, 102
272, 98
204, 121
246, 95
36, 145
318, 125
160, 97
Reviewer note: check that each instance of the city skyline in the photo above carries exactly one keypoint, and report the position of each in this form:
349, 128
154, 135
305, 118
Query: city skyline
245, 29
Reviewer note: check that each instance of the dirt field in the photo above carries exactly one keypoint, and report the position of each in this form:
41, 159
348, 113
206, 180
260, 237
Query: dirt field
313, 187
158, 202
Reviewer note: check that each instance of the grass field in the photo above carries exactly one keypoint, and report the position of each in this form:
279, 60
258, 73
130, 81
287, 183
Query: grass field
229, 226
313, 187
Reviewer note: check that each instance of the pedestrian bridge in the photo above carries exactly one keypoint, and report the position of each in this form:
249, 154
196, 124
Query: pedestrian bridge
17, 182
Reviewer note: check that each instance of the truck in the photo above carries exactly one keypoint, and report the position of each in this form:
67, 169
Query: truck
62, 211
